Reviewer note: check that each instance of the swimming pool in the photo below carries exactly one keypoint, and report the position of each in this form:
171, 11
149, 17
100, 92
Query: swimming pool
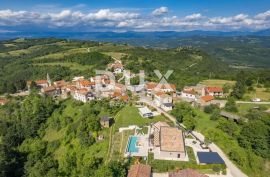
132, 144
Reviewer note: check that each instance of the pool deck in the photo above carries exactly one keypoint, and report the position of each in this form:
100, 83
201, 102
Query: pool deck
142, 148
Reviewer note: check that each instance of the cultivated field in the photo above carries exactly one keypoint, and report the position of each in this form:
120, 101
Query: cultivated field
217, 83
261, 93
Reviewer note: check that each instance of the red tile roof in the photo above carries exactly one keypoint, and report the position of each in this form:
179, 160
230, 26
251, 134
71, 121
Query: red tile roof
160, 93
86, 83
49, 89
116, 94
60, 83
124, 98
214, 89
41, 82
190, 91
186, 173
82, 91
139, 170
171, 140
71, 87
151, 85
207, 98
168, 86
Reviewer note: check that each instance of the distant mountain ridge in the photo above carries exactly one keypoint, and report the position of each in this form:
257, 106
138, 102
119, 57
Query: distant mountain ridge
129, 34
244, 49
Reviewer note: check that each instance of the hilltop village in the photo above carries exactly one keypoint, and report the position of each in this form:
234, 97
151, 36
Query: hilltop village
163, 140
85, 108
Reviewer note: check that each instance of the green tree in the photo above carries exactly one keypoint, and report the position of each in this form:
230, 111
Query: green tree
182, 110
189, 122
210, 108
3, 161
215, 115
255, 135
226, 88
240, 87
230, 127
231, 106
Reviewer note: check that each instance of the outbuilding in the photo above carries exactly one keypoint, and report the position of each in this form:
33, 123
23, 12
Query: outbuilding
145, 112
105, 121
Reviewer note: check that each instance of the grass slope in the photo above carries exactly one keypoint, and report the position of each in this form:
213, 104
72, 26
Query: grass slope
129, 115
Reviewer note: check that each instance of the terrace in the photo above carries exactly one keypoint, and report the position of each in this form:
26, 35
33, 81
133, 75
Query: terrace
137, 146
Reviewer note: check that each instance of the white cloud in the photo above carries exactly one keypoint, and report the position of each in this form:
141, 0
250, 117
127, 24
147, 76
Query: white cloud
240, 17
61, 15
124, 19
228, 20
107, 14
160, 11
194, 17
264, 15
220, 20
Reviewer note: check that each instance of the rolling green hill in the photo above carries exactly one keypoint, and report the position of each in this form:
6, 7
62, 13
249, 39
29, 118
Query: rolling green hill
244, 51
62, 59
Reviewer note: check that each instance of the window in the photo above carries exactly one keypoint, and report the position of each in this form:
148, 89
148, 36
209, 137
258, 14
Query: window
178, 155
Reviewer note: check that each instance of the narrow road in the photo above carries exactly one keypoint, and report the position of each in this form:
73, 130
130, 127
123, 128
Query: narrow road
233, 169
251, 102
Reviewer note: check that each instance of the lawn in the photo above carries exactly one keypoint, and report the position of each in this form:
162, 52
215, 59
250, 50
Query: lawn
129, 115
217, 83
144, 130
244, 108
261, 93
203, 121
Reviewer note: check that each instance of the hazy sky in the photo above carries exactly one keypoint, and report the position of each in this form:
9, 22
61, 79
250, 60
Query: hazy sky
134, 15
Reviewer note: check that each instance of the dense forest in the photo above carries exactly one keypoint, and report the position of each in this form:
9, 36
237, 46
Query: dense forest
25, 149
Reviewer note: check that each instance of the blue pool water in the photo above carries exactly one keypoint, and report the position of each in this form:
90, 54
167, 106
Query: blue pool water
132, 144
